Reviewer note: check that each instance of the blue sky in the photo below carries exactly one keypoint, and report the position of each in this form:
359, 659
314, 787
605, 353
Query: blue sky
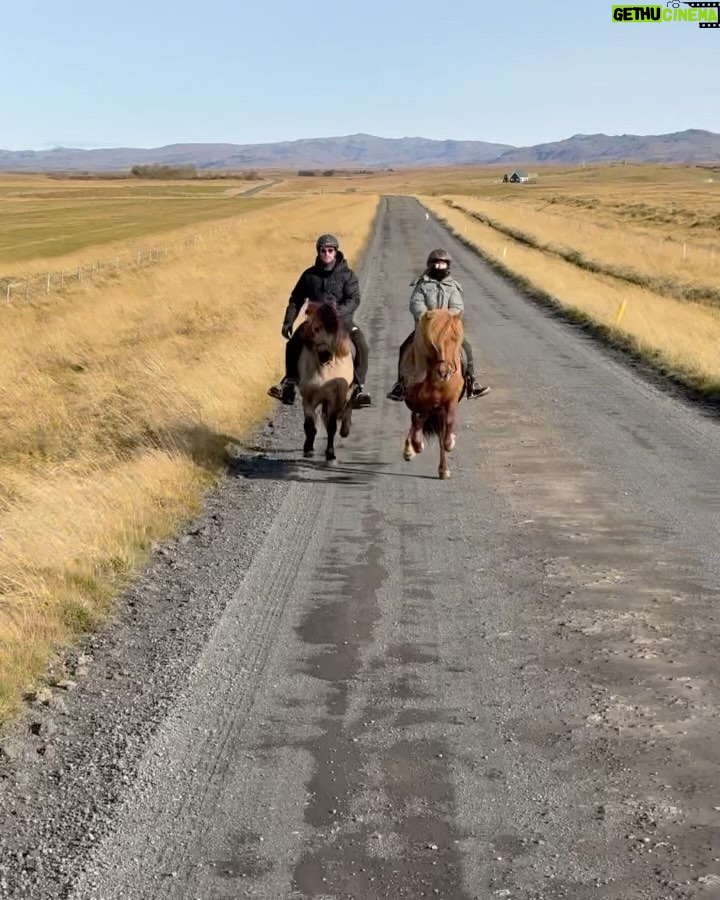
145, 73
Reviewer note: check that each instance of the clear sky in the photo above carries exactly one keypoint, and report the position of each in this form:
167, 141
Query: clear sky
146, 73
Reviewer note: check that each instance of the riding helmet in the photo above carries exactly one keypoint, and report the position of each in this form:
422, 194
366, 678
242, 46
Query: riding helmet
438, 256
326, 240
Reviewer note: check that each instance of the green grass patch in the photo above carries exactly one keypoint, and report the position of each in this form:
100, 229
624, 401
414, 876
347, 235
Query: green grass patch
41, 226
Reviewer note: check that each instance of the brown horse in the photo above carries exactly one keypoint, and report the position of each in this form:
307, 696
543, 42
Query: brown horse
431, 369
326, 375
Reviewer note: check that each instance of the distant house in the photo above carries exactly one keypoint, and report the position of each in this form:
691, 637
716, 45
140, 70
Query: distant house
517, 177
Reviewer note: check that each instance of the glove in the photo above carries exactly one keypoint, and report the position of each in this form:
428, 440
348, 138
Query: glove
290, 315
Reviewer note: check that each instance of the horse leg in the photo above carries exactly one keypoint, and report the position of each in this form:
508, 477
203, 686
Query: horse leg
346, 421
408, 451
331, 427
445, 438
418, 441
310, 431
450, 436
414, 441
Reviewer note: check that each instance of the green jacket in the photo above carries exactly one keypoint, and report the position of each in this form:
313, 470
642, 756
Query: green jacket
428, 293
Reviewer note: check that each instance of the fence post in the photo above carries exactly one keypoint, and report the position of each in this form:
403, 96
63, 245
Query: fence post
27, 288
47, 284
620, 312
9, 288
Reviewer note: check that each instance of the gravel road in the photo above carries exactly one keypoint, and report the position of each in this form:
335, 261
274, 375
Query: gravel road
363, 682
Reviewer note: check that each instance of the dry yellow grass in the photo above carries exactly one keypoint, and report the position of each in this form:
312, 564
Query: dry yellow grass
116, 405
686, 268
683, 336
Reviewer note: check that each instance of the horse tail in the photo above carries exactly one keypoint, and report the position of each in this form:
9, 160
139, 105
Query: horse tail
434, 425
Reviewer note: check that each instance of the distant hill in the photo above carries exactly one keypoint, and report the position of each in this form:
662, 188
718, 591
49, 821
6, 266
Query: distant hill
366, 150
692, 146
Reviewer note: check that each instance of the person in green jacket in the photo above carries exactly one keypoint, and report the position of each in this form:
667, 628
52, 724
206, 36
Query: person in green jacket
437, 289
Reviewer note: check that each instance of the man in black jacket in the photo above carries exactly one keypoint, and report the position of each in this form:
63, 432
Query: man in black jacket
331, 276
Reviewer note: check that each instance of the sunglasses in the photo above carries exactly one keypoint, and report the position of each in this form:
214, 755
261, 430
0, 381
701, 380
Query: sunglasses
328, 249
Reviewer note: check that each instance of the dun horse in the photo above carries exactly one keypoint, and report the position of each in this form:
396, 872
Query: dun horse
431, 369
326, 375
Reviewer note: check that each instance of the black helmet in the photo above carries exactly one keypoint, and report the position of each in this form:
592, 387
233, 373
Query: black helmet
326, 240
438, 256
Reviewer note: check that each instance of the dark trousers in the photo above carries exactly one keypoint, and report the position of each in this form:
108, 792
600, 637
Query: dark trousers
294, 347
469, 368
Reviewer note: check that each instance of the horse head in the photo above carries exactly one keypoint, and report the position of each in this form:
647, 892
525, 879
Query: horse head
325, 333
441, 335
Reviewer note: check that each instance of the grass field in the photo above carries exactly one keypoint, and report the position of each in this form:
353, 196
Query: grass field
117, 405
42, 220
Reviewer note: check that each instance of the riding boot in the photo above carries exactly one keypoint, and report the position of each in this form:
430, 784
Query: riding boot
396, 392
473, 388
285, 391
360, 397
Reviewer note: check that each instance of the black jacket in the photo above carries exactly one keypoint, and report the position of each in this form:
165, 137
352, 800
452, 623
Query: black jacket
339, 282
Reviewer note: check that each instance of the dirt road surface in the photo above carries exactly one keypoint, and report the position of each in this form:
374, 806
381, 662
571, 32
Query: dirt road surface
364, 682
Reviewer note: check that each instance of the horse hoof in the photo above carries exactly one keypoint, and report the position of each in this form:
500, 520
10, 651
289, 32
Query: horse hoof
307, 453
331, 460
444, 473
408, 453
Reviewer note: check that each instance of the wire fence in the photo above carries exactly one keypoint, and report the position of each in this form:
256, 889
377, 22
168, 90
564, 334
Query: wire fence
20, 289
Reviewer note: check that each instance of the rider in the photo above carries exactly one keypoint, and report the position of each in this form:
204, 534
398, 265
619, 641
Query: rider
437, 289
331, 276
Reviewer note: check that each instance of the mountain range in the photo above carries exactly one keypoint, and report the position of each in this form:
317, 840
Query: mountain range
368, 151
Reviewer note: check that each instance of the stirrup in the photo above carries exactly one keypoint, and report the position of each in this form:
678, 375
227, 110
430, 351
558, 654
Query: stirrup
472, 392
360, 397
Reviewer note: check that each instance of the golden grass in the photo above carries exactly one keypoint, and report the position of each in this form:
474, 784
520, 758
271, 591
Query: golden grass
679, 336
683, 269
116, 408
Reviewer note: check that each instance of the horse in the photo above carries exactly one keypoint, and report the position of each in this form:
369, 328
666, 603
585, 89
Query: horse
431, 369
326, 374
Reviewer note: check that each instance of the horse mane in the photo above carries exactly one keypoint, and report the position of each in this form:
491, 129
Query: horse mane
324, 311
438, 326
327, 314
